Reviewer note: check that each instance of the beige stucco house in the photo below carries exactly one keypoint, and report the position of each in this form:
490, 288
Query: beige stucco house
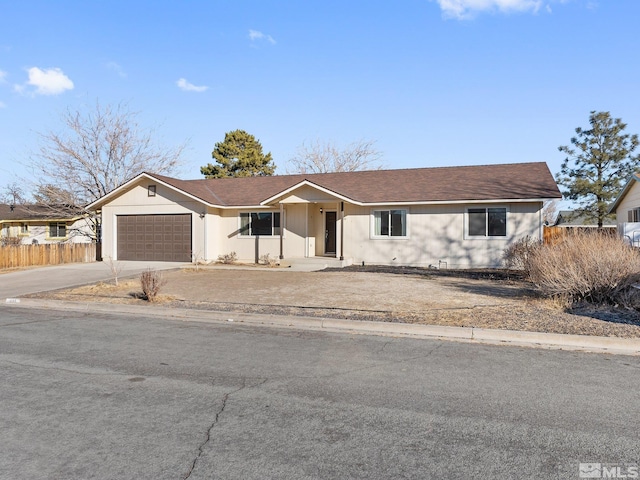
42, 224
627, 210
453, 216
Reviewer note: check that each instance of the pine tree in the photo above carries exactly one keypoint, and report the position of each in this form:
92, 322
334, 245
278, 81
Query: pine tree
239, 155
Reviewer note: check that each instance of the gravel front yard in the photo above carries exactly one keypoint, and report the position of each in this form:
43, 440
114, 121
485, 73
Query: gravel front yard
476, 299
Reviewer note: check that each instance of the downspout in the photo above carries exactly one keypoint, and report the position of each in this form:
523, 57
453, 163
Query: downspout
281, 230
341, 231
206, 243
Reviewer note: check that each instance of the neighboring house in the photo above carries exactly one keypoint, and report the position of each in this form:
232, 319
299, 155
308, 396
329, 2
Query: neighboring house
458, 216
572, 219
39, 224
627, 210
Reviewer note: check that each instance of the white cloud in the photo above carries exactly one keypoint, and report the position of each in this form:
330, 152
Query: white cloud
113, 66
184, 85
462, 9
255, 35
46, 82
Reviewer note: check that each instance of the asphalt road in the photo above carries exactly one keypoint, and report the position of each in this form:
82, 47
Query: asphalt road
110, 397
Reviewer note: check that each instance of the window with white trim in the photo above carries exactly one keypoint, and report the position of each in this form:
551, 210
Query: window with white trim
24, 229
487, 222
390, 223
254, 224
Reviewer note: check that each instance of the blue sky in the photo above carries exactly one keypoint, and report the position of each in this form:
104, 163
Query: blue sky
432, 82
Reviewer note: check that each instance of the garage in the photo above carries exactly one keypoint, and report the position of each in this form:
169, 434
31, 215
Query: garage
165, 238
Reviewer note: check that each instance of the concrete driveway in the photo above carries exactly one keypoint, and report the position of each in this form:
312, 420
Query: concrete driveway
34, 280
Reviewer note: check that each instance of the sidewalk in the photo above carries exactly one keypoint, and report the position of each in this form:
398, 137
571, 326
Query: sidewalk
583, 343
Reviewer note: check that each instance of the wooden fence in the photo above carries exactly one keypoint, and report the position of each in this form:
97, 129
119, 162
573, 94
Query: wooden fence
46, 254
553, 235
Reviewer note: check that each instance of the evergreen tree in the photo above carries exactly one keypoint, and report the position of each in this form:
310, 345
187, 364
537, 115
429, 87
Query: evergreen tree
239, 155
598, 165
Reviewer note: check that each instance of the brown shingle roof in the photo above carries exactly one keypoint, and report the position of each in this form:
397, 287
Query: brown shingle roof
513, 181
36, 212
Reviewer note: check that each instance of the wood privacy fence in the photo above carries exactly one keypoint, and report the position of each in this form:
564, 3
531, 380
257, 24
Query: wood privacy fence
553, 235
47, 254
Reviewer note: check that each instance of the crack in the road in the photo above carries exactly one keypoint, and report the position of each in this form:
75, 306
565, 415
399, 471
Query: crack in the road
68, 370
225, 397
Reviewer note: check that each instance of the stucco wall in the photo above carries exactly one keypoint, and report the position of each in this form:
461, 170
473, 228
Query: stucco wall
136, 201
436, 233
630, 201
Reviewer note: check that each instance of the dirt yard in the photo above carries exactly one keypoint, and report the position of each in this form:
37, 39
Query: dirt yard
477, 299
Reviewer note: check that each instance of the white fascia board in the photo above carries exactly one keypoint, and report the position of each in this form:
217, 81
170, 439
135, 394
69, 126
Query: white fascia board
306, 183
623, 193
456, 202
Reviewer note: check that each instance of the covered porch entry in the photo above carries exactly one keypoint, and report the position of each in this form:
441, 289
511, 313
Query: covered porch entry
316, 218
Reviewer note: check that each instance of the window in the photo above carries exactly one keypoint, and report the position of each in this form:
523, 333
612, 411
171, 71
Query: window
57, 230
151, 191
253, 224
487, 222
390, 223
634, 215
24, 229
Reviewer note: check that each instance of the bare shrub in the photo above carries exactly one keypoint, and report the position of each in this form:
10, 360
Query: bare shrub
10, 241
228, 258
115, 268
268, 260
587, 267
151, 281
517, 255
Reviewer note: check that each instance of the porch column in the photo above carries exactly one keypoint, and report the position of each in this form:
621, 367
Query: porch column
341, 231
281, 230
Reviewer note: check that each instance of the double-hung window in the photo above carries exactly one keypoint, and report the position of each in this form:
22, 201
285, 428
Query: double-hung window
57, 230
634, 215
487, 222
24, 229
254, 224
390, 223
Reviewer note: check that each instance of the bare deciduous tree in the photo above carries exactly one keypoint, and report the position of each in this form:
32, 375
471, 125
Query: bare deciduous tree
13, 194
325, 157
98, 150
550, 212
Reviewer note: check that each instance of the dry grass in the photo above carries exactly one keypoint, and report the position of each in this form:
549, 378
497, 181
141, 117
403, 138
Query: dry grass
587, 267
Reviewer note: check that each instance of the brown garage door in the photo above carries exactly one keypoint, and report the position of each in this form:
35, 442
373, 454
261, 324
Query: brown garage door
164, 238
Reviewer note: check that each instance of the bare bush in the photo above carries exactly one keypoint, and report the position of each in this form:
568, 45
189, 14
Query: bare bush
115, 268
268, 260
151, 281
517, 255
10, 241
588, 267
228, 258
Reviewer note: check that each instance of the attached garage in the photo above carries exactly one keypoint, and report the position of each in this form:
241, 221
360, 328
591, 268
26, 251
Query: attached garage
165, 238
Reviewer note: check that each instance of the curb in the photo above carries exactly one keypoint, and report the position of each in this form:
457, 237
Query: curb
584, 343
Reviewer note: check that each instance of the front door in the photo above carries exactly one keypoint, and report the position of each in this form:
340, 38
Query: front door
330, 232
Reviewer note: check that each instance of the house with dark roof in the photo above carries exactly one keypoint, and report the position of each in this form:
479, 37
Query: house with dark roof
454, 216
41, 224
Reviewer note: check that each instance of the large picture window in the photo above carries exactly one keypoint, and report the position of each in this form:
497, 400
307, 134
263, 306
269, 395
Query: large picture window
253, 224
390, 223
487, 222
